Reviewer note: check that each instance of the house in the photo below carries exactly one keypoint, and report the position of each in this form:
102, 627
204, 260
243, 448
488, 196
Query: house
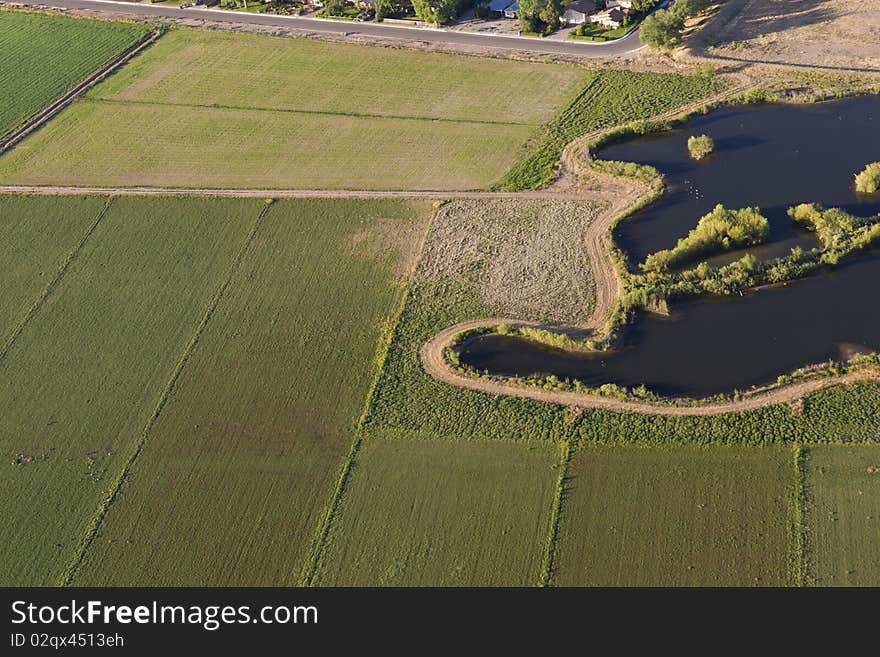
611, 18
507, 8
577, 13
623, 4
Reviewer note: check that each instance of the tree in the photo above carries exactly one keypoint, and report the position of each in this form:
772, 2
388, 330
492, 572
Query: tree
540, 15
334, 7
700, 147
662, 29
436, 11
383, 8
644, 6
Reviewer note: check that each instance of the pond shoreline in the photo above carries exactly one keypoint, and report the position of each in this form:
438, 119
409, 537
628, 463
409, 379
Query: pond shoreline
788, 387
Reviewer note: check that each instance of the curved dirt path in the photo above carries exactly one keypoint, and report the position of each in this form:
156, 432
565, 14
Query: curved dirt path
433, 358
597, 241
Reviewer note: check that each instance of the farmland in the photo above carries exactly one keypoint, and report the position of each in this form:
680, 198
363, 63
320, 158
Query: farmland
843, 518
679, 516
435, 513
42, 57
200, 390
37, 238
249, 446
86, 373
197, 101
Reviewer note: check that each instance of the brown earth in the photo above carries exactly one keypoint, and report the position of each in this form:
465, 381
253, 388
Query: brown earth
830, 35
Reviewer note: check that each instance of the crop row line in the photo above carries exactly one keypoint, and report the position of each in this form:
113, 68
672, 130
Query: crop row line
383, 346
290, 110
41, 117
46, 291
553, 533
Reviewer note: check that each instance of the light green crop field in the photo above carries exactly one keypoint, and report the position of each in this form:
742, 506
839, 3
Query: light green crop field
38, 235
84, 376
676, 516
843, 517
42, 57
238, 468
210, 109
436, 513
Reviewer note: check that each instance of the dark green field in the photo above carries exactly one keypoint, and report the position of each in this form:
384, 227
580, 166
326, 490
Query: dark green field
675, 516
85, 374
843, 518
437, 513
235, 473
42, 57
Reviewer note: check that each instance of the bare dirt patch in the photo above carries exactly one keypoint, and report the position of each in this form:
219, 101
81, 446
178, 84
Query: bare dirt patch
391, 237
822, 34
526, 257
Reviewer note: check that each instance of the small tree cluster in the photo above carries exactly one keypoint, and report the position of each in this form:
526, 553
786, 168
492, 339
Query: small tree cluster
540, 16
439, 12
700, 147
868, 181
664, 28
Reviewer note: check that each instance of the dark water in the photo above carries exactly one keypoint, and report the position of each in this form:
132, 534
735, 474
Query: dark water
772, 157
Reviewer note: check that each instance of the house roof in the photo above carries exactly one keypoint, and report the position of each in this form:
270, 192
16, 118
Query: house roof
583, 6
499, 5
513, 6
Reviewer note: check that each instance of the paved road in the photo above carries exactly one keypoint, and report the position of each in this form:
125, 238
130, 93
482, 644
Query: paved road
621, 47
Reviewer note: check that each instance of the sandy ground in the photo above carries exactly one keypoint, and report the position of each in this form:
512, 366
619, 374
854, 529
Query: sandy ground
821, 34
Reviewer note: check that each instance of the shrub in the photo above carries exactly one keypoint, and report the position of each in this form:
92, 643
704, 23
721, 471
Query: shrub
868, 181
700, 147
720, 229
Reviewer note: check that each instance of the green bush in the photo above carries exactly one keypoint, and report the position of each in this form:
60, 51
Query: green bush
700, 147
868, 181
721, 229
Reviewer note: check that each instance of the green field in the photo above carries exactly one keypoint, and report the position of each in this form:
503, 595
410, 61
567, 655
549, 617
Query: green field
84, 376
682, 516
296, 113
42, 57
237, 469
843, 518
435, 513
38, 235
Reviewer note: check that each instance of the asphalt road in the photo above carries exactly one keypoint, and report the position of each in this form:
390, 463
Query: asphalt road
621, 47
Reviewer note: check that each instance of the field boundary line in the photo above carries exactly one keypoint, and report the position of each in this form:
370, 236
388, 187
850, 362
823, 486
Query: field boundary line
104, 507
283, 110
50, 287
798, 558
553, 533
41, 117
383, 346
257, 192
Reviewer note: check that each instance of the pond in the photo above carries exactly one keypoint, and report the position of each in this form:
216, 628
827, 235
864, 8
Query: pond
770, 156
